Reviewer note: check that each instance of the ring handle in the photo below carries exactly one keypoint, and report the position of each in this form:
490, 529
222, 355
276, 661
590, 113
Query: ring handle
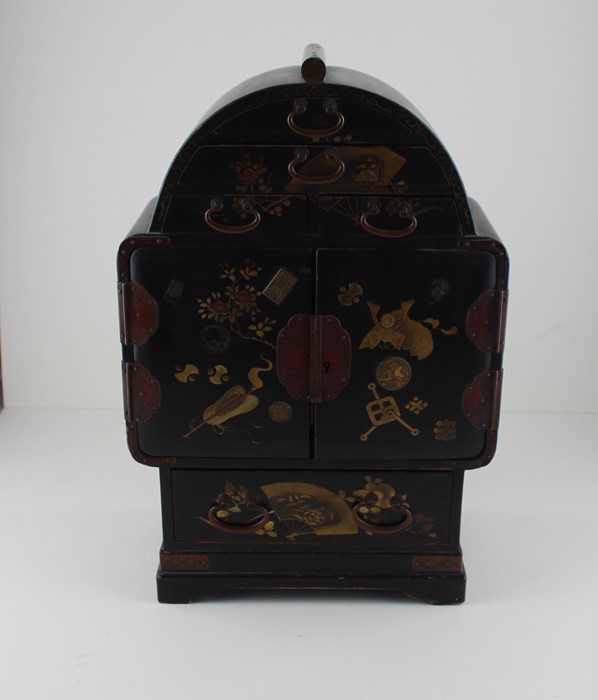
216, 206
382, 529
223, 501
301, 155
300, 107
405, 212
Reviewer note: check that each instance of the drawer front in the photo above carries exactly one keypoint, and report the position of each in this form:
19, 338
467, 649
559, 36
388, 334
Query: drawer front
303, 120
237, 214
354, 169
299, 509
354, 219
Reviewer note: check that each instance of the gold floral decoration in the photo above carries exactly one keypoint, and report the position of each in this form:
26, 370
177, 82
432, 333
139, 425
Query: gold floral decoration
268, 529
214, 307
249, 173
376, 496
262, 327
309, 513
237, 303
252, 178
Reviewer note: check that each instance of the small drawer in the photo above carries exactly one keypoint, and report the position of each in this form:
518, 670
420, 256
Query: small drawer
237, 214
260, 170
300, 119
367, 169
351, 169
388, 217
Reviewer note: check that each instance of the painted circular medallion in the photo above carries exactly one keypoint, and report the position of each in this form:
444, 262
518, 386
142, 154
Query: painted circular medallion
280, 411
393, 373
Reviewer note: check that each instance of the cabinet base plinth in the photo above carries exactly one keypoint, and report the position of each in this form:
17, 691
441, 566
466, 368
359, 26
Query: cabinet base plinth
445, 589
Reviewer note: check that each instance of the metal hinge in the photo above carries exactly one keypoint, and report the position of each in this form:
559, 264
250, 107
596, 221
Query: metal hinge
138, 313
481, 400
142, 394
486, 320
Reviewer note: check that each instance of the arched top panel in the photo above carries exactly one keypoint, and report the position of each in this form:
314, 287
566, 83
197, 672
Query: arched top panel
349, 134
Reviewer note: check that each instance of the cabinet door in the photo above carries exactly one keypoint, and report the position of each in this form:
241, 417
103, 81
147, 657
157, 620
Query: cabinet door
213, 353
412, 360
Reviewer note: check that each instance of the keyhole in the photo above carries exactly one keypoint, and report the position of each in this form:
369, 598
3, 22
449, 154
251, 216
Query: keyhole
326, 366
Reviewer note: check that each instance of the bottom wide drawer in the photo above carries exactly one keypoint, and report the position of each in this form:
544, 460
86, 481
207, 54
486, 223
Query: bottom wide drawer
292, 511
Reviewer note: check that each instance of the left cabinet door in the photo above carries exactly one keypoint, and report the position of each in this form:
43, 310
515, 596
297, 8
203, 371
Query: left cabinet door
213, 353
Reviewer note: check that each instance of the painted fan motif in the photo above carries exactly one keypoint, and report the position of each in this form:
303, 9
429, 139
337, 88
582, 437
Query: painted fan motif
310, 509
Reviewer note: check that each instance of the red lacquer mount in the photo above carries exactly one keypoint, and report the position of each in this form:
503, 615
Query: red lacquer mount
486, 320
139, 314
481, 400
142, 393
313, 357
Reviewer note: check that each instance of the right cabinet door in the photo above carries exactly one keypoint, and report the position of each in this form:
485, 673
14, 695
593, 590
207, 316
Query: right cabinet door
412, 360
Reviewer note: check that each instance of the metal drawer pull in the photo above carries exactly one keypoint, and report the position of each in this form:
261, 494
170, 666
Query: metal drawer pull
300, 107
382, 529
223, 502
373, 208
216, 206
301, 155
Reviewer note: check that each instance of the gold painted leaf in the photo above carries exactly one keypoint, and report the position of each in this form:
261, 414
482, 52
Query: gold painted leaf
272, 533
364, 509
222, 514
235, 509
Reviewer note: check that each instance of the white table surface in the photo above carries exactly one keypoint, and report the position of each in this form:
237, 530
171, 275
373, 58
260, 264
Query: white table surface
79, 618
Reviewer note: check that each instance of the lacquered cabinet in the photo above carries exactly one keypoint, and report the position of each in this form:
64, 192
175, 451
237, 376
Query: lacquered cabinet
312, 320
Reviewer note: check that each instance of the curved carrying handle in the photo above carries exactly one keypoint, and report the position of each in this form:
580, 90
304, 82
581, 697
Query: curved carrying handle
382, 529
216, 206
373, 208
300, 107
301, 155
223, 501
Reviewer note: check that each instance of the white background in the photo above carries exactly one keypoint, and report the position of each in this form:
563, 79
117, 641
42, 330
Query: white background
96, 98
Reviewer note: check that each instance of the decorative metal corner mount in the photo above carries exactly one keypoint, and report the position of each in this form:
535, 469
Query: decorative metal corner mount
486, 320
139, 313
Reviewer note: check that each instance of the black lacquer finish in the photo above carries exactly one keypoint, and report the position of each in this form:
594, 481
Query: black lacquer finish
312, 318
